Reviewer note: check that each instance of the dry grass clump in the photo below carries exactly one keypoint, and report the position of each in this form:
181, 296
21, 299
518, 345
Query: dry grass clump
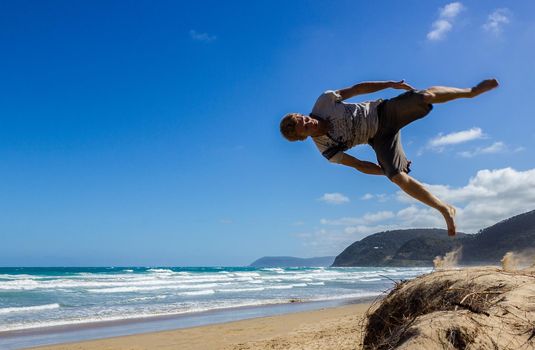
476, 308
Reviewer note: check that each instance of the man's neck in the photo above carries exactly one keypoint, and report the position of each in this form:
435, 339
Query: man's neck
322, 128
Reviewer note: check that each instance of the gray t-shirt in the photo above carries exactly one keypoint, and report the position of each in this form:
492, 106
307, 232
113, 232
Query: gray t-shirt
351, 124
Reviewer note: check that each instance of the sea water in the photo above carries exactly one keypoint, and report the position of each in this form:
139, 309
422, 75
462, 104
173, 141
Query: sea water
34, 298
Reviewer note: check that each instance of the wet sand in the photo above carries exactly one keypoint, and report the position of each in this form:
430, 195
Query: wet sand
329, 328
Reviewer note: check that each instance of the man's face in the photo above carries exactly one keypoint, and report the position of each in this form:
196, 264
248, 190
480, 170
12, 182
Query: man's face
304, 125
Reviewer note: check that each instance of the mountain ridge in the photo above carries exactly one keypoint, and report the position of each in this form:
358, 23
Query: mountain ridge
418, 247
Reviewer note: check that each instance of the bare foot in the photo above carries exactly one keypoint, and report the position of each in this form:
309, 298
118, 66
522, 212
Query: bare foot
484, 86
449, 215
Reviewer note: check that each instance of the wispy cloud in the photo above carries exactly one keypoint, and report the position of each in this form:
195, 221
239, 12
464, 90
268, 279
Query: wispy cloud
496, 20
367, 218
334, 198
455, 138
204, 37
496, 147
451, 10
488, 197
444, 23
381, 197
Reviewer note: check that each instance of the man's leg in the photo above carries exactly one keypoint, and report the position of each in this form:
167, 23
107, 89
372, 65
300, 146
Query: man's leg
416, 190
441, 94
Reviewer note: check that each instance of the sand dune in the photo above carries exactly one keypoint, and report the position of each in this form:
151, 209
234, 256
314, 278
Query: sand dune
470, 308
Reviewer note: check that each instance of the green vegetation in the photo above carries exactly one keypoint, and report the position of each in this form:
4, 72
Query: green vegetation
418, 247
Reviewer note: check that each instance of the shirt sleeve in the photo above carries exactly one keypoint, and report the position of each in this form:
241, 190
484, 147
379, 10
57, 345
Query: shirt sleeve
333, 155
332, 96
331, 151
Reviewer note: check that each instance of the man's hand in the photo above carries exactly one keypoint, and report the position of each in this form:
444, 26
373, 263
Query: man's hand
402, 85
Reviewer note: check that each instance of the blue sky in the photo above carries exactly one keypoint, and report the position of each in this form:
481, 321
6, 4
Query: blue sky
146, 133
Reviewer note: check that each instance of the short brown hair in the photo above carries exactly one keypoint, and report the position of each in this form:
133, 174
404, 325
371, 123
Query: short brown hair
287, 128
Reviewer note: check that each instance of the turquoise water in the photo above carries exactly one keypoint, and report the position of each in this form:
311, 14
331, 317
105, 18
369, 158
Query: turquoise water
33, 298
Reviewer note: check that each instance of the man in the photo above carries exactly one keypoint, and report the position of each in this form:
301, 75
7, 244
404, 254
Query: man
336, 126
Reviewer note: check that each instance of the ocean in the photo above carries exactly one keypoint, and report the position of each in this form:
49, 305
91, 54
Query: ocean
34, 298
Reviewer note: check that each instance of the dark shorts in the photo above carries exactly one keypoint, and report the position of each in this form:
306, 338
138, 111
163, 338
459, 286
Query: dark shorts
393, 115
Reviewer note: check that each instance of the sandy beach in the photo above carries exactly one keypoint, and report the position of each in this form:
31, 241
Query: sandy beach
330, 328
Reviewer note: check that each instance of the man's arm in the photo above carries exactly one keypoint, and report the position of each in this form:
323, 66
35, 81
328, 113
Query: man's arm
372, 86
361, 165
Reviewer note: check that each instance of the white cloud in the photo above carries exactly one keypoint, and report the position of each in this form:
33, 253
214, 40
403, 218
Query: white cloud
334, 198
204, 37
496, 147
379, 216
415, 217
439, 30
496, 20
451, 10
489, 197
381, 197
444, 23
367, 218
456, 138
367, 196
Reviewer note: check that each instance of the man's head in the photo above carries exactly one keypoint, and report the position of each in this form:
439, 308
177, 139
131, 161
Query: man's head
297, 127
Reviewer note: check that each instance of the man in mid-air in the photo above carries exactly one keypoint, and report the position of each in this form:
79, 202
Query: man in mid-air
336, 126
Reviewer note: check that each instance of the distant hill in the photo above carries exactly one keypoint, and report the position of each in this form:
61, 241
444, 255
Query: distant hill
412, 247
418, 247
490, 244
290, 261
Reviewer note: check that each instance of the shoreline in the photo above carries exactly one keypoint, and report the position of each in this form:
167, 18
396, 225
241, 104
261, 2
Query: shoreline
83, 332
332, 327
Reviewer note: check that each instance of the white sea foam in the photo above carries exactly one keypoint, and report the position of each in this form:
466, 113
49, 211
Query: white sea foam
149, 298
370, 279
164, 292
246, 274
24, 284
131, 289
274, 269
299, 284
20, 277
116, 282
162, 271
198, 292
164, 277
173, 310
238, 290
288, 286
8, 310
136, 315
